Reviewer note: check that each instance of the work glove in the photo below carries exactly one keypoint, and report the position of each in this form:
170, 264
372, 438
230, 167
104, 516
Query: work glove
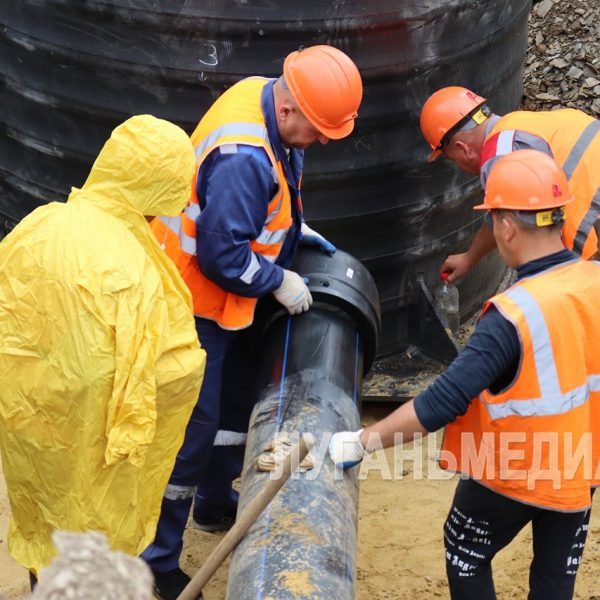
346, 449
293, 293
309, 237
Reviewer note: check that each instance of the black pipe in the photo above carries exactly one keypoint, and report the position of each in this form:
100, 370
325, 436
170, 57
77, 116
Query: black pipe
310, 379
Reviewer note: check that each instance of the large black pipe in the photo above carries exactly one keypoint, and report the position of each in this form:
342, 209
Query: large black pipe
312, 365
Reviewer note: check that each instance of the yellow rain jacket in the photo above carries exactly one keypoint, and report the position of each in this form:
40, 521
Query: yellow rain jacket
100, 364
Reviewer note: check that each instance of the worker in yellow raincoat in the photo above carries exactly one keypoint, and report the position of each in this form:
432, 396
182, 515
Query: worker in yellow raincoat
100, 363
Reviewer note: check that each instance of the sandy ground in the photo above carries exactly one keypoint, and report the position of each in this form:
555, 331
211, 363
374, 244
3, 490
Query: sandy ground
400, 550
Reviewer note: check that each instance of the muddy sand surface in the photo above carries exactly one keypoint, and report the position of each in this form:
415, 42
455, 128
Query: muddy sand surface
400, 549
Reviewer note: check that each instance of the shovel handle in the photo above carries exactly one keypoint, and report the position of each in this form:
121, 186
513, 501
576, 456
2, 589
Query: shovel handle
249, 515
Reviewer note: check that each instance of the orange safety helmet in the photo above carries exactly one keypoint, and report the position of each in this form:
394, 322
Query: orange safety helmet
447, 111
527, 180
327, 87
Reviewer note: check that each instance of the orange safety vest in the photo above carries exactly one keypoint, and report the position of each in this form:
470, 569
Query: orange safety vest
537, 440
235, 118
573, 138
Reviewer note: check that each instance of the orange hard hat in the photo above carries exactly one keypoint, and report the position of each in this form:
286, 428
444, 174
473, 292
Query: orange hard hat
327, 87
447, 111
526, 180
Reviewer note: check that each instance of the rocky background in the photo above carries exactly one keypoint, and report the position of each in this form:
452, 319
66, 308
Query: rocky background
562, 68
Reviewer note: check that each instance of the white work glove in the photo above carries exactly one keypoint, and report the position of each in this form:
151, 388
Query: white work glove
346, 449
309, 237
293, 293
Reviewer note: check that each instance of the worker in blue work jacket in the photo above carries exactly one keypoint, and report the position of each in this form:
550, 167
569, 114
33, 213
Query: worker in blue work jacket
518, 400
233, 244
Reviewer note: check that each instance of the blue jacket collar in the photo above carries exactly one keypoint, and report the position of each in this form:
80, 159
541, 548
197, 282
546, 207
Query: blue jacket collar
292, 167
539, 265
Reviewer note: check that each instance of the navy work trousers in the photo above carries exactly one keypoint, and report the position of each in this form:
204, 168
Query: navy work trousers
225, 404
482, 522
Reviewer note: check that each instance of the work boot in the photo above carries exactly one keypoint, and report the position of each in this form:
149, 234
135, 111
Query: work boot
223, 522
168, 585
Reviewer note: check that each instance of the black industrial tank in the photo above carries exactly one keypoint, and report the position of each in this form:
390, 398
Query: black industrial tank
73, 69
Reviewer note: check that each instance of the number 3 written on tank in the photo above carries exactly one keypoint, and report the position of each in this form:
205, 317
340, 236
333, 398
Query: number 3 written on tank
209, 57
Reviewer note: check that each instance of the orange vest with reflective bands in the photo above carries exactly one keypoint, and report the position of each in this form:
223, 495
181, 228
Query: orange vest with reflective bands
573, 138
537, 440
235, 118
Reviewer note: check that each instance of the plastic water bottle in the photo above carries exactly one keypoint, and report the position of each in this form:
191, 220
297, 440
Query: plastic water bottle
446, 298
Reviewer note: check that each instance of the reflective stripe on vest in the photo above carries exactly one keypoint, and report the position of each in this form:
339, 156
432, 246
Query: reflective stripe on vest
175, 224
582, 144
545, 424
505, 142
188, 243
192, 211
573, 138
271, 237
230, 129
583, 231
235, 118
552, 401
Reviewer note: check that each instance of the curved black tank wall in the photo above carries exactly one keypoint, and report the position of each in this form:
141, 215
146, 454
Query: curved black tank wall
73, 69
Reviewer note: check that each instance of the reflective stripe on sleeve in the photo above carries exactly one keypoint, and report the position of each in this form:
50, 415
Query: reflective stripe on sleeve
254, 266
179, 492
230, 438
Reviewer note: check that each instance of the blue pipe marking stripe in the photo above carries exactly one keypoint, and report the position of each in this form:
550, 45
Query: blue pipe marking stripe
356, 345
263, 556
283, 368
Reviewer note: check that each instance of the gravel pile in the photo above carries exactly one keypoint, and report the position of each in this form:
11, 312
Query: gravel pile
562, 67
